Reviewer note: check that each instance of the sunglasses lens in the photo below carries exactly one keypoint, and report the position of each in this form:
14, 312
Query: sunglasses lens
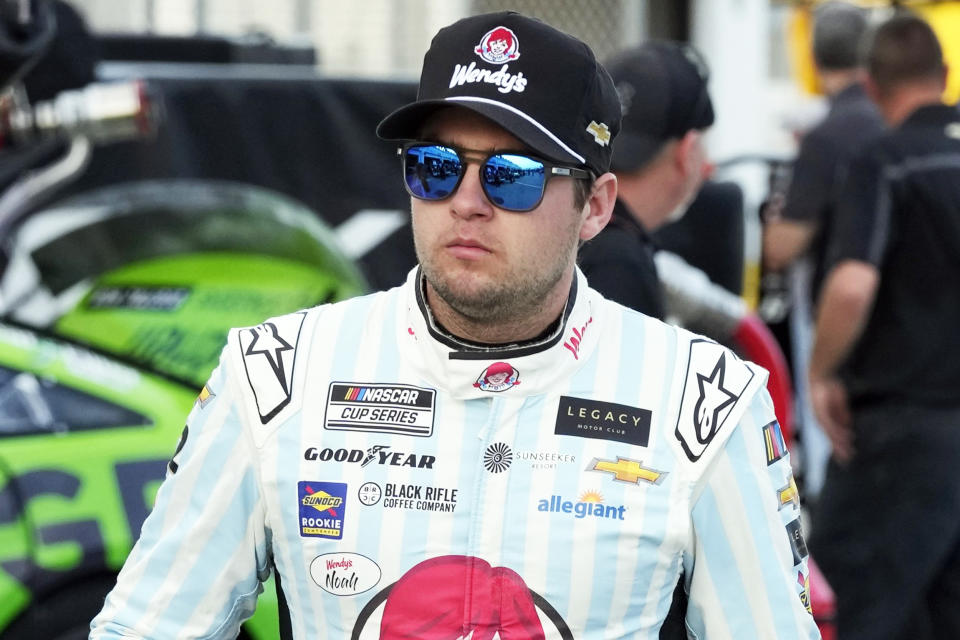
513, 182
431, 171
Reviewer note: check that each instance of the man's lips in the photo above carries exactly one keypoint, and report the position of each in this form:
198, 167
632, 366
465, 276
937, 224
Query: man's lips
467, 249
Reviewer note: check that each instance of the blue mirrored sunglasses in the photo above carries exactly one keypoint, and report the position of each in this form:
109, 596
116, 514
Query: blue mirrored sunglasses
511, 181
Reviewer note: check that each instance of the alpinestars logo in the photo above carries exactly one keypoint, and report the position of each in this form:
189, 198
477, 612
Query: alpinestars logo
713, 399
267, 341
715, 381
269, 353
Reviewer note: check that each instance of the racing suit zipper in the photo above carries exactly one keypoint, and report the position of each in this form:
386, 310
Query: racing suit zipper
484, 435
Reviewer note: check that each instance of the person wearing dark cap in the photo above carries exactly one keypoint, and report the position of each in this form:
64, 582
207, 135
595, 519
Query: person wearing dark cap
804, 222
798, 225
660, 163
885, 366
491, 449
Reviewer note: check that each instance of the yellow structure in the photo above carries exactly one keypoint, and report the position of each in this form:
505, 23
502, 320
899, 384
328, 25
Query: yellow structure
943, 16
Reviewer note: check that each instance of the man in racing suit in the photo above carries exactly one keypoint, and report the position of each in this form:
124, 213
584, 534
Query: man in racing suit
491, 449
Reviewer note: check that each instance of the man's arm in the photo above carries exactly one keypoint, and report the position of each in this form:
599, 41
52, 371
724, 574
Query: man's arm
791, 220
747, 564
856, 250
196, 570
784, 241
847, 299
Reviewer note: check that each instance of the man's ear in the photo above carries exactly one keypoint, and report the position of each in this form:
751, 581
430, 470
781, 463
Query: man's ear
685, 150
599, 206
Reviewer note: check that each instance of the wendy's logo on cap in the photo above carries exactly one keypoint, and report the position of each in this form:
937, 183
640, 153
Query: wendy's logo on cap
498, 45
499, 376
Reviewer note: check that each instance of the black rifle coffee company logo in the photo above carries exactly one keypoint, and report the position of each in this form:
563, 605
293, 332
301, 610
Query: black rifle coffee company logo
603, 420
412, 497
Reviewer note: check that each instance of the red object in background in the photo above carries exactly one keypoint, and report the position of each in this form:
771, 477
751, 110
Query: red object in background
758, 344
822, 601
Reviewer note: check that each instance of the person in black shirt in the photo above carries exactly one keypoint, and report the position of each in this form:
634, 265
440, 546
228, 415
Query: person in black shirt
795, 234
660, 164
826, 150
885, 367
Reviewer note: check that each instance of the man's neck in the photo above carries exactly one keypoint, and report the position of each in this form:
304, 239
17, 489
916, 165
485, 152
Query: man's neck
897, 105
651, 196
521, 326
834, 81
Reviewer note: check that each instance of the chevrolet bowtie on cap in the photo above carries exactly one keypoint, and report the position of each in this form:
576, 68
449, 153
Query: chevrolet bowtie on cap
543, 86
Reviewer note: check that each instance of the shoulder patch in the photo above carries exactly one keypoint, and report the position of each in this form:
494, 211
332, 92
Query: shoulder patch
269, 355
715, 381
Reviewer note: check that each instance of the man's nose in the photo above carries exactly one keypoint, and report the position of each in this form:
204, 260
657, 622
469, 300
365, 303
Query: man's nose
469, 200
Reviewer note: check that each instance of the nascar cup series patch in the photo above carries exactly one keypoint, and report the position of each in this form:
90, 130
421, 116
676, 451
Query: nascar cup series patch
380, 408
715, 381
269, 352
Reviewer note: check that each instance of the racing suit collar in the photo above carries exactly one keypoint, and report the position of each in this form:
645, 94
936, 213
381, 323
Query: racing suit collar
467, 370
464, 349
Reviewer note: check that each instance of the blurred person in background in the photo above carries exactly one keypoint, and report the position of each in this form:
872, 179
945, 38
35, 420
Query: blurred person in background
803, 223
491, 449
660, 163
885, 366
796, 229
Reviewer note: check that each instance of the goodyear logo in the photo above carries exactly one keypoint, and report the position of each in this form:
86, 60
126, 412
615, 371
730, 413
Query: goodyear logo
322, 507
380, 408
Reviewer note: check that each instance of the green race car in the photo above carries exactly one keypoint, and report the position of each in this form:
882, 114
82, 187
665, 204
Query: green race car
117, 306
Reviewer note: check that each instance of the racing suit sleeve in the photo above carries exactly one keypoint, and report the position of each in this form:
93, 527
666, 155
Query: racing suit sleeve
746, 564
197, 568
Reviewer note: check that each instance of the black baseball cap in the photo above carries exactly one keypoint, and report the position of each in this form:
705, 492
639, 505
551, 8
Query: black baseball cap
543, 86
663, 94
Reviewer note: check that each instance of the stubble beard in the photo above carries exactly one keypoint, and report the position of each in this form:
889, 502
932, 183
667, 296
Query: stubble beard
518, 295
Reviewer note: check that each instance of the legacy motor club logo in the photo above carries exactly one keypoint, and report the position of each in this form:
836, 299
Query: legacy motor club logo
498, 45
584, 418
499, 376
501, 605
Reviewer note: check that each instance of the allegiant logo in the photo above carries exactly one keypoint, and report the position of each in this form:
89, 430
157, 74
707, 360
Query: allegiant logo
590, 504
